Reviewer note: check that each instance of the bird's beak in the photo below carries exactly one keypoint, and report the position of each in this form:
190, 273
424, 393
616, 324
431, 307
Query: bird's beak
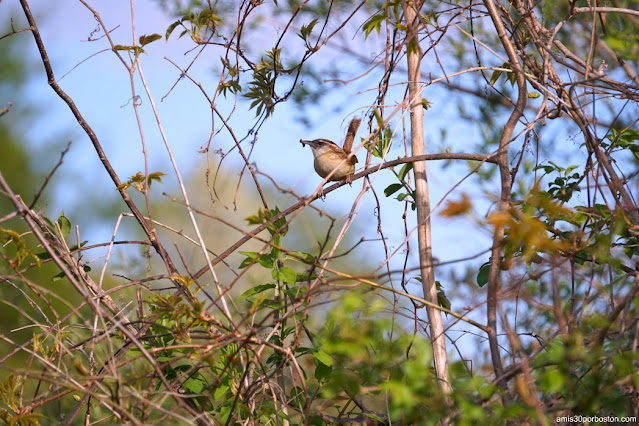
303, 142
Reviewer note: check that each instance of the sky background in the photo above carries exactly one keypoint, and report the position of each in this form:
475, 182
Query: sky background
100, 87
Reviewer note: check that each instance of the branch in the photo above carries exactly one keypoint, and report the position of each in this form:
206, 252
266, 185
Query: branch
413, 57
606, 10
373, 169
504, 203
96, 144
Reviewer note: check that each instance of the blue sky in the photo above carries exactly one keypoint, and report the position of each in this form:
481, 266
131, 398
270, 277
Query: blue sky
100, 87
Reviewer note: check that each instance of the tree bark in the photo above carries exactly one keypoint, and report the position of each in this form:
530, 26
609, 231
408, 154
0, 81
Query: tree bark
492, 302
411, 9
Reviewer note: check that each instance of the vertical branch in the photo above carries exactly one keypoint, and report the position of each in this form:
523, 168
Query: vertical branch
411, 9
504, 202
148, 230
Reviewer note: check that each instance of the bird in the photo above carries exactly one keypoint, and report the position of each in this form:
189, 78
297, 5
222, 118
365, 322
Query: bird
329, 157
332, 160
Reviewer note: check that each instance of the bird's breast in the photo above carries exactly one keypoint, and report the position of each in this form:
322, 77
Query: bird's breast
327, 162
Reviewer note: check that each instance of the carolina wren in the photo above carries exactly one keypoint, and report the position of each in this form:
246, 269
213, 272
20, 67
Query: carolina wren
331, 158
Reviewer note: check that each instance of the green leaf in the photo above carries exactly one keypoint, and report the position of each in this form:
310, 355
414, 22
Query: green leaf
305, 276
497, 73
306, 30
156, 176
404, 171
278, 225
265, 260
570, 169
321, 357
146, 39
65, 225
534, 95
201, 24
136, 50
442, 300
49, 222
229, 86
392, 188
286, 275
323, 366
256, 290
300, 256
298, 397
172, 27
624, 45
375, 23
482, 275
403, 395
382, 143
495, 77
432, 18
22, 251
552, 381
258, 301
58, 277
194, 385
625, 139
221, 392
257, 219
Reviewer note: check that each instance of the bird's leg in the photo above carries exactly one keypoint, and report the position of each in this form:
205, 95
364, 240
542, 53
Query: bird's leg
349, 179
320, 193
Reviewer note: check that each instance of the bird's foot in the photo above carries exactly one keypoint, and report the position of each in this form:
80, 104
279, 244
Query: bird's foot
349, 179
320, 193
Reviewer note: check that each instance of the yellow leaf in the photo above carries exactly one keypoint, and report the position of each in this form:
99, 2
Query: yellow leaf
456, 208
500, 219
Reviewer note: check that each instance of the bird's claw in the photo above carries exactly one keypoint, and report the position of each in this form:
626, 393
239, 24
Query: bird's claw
349, 180
321, 194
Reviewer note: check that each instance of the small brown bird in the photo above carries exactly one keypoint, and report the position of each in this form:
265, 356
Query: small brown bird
329, 157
